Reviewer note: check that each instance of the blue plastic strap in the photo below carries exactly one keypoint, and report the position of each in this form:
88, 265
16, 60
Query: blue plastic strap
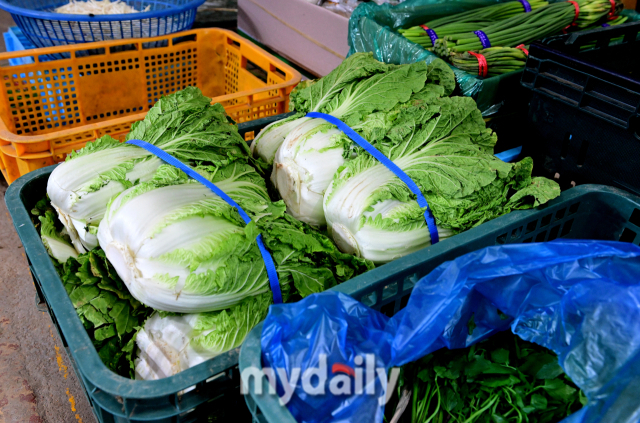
483, 39
526, 5
510, 155
605, 25
431, 33
266, 256
355, 137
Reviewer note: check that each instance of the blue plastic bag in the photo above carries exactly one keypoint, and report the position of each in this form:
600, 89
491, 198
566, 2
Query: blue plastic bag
580, 299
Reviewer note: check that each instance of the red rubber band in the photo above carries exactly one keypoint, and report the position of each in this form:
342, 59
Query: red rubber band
613, 7
424, 27
577, 6
521, 47
575, 18
483, 67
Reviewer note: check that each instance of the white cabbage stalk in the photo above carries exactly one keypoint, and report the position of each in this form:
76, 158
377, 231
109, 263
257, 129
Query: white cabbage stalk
358, 228
168, 345
304, 167
268, 141
164, 348
55, 243
75, 195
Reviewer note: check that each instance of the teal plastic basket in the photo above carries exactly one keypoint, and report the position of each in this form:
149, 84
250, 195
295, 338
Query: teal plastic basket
585, 212
114, 398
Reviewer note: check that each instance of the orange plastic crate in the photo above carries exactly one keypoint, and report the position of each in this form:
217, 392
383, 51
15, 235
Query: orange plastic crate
50, 108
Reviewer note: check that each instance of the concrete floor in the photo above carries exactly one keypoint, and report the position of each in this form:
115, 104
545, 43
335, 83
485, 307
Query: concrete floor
37, 383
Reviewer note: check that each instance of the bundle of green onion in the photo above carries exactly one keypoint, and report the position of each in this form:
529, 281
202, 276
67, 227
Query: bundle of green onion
498, 61
468, 21
618, 20
527, 27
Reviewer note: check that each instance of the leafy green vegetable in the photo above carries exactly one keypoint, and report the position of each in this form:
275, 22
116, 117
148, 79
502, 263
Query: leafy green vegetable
107, 310
57, 245
105, 307
489, 382
359, 86
181, 248
170, 344
309, 156
445, 148
183, 124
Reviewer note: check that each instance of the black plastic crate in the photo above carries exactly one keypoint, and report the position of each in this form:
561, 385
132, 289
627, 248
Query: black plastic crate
585, 107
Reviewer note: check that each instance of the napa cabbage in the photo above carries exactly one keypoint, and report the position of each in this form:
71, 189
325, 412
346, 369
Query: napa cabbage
445, 148
183, 124
180, 248
360, 85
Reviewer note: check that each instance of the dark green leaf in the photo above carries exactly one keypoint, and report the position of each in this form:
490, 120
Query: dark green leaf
121, 314
104, 332
477, 366
535, 361
499, 369
451, 400
583, 399
500, 356
104, 302
94, 316
495, 382
549, 371
309, 280
558, 389
495, 418
84, 273
83, 294
110, 353
424, 375
97, 268
538, 401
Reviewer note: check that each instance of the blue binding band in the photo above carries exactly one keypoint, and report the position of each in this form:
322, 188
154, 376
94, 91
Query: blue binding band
266, 256
355, 137
526, 5
483, 39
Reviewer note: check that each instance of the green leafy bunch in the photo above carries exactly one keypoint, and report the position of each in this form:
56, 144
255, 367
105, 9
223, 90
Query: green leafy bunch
502, 379
108, 312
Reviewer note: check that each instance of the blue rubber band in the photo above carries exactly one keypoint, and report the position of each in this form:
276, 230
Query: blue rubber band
266, 256
355, 137
431, 33
526, 5
483, 39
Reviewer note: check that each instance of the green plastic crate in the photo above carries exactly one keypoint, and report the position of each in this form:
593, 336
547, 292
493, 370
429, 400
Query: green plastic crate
585, 212
115, 398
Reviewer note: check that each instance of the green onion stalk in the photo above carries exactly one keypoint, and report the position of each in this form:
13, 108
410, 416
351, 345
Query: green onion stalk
500, 60
468, 21
528, 27
617, 21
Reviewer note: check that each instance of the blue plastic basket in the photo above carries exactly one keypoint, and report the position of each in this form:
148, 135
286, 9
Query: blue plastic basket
46, 29
14, 40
